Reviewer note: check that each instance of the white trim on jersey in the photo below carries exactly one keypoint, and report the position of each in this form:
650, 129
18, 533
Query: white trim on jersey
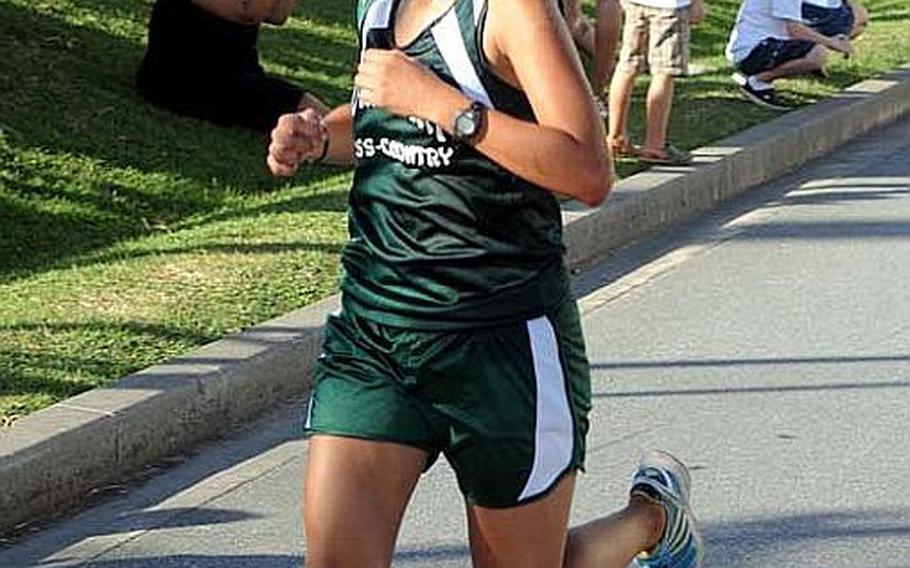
478, 10
554, 434
450, 42
378, 16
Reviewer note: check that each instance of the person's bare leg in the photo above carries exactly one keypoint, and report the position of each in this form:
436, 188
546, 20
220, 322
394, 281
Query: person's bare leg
621, 88
813, 61
860, 18
355, 495
530, 536
573, 11
659, 103
606, 40
535, 535
612, 542
580, 27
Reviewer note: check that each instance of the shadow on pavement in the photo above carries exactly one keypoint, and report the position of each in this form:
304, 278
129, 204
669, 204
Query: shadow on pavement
760, 542
180, 517
780, 541
727, 390
759, 361
112, 513
194, 561
430, 555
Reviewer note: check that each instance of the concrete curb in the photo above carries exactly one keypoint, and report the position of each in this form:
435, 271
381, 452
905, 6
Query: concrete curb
654, 199
51, 459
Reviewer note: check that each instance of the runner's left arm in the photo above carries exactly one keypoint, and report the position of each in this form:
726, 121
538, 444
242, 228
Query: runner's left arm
563, 151
305, 137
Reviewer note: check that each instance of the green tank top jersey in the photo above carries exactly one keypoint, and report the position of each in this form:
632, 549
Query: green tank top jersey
441, 236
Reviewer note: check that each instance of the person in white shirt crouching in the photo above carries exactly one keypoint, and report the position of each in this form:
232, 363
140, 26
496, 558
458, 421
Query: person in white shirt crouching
770, 41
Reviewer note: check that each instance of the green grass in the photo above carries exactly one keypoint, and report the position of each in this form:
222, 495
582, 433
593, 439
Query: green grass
129, 235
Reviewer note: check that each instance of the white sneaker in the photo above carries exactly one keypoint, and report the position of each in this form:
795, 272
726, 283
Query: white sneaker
665, 480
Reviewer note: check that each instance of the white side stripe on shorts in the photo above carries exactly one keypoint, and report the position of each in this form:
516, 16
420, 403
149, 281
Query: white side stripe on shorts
309, 411
554, 433
450, 42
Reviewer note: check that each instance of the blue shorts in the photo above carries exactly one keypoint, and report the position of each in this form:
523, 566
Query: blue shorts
772, 53
829, 21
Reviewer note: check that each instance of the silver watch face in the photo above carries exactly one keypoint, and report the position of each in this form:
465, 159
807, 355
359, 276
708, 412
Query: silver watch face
465, 124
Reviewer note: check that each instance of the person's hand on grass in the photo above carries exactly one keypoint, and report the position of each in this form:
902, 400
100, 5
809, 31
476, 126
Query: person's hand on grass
298, 138
842, 44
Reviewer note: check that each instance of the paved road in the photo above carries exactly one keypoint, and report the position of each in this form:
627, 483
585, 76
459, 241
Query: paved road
768, 344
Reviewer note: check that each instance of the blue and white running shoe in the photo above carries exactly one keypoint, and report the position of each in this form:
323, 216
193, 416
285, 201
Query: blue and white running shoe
664, 479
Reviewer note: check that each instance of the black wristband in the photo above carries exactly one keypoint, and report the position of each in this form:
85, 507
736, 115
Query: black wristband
325, 151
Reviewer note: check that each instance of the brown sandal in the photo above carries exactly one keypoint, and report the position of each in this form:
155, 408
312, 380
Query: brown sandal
622, 148
667, 156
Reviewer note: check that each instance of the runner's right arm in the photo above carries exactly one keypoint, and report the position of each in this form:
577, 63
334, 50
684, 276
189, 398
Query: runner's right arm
302, 137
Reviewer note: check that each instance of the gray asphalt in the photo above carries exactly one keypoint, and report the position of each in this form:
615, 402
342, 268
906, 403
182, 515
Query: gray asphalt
767, 344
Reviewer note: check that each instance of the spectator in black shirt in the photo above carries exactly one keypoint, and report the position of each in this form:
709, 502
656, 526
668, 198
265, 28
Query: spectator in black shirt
203, 61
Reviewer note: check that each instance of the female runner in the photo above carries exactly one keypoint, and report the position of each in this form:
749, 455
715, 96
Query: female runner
458, 333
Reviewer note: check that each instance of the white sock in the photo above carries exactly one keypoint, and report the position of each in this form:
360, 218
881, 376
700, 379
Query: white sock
758, 84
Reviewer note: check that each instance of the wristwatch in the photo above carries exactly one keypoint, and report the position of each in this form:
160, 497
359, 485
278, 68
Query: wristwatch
470, 123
